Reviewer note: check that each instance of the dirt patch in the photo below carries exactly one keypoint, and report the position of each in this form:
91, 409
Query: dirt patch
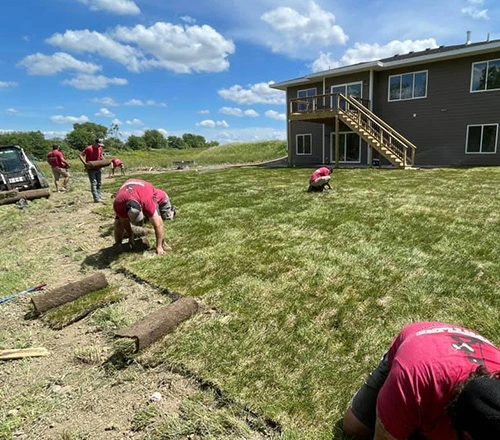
73, 393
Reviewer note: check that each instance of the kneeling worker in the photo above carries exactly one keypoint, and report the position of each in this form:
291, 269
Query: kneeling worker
136, 201
319, 179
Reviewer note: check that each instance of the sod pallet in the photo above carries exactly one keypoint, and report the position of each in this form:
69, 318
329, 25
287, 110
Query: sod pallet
68, 293
159, 323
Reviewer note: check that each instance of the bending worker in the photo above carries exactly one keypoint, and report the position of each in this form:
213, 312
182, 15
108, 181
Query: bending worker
320, 179
137, 201
438, 381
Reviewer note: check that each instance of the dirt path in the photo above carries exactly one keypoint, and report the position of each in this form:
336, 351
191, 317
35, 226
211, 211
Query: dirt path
69, 395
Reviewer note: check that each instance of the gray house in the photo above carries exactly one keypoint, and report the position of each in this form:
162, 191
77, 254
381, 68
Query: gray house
435, 107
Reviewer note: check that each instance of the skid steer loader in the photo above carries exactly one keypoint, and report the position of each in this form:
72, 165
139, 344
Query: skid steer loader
20, 176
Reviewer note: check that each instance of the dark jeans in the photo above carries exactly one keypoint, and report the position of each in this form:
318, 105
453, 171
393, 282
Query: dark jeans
95, 184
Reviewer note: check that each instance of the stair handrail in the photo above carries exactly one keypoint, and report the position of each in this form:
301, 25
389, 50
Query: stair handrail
373, 116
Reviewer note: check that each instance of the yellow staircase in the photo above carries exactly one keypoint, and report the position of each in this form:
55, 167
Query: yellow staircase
380, 135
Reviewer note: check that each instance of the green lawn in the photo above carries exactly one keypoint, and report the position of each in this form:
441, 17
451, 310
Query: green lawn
303, 292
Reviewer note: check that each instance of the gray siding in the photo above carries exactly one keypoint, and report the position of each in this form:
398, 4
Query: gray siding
437, 125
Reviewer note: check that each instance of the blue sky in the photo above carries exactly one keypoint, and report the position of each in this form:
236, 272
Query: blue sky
200, 66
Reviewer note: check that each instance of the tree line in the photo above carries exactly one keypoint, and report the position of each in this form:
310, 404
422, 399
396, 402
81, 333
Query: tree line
84, 134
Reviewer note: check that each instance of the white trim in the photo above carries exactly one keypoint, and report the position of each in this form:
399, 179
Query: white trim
413, 97
297, 144
481, 145
472, 76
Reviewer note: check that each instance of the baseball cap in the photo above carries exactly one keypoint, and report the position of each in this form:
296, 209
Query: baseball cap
477, 409
99, 141
134, 212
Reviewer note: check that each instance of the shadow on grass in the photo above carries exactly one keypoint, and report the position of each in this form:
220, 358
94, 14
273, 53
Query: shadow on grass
104, 257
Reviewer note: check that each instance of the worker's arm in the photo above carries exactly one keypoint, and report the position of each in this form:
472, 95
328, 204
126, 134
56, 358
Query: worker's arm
122, 225
83, 158
381, 433
157, 223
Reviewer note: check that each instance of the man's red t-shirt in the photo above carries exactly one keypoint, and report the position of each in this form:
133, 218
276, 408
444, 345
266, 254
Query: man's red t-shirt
427, 360
55, 159
140, 191
92, 153
116, 162
323, 171
160, 196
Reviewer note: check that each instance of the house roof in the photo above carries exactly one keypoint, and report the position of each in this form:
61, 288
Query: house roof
411, 58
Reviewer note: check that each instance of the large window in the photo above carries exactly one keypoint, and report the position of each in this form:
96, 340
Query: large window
482, 139
485, 76
352, 89
307, 94
408, 86
304, 144
350, 147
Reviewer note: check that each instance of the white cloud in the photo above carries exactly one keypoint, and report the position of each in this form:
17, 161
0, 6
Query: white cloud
120, 7
259, 93
12, 111
116, 121
163, 132
272, 114
106, 100
250, 134
474, 10
91, 82
148, 103
188, 19
204, 112
209, 123
134, 121
181, 49
40, 64
60, 119
7, 84
104, 112
232, 111
362, 52
296, 33
6, 130
51, 134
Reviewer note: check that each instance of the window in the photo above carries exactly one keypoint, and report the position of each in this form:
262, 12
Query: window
352, 89
408, 86
307, 94
304, 144
350, 146
482, 139
485, 76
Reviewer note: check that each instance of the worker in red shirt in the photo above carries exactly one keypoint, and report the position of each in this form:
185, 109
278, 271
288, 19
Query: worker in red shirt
59, 166
92, 153
116, 163
438, 381
136, 201
320, 179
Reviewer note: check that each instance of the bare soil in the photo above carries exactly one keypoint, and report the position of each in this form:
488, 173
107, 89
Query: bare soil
69, 394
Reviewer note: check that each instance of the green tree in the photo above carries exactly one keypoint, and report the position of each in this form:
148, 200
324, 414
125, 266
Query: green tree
85, 134
114, 144
32, 141
193, 140
135, 143
154, 139
175, 142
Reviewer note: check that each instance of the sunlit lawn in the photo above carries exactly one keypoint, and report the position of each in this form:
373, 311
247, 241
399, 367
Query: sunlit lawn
303, 292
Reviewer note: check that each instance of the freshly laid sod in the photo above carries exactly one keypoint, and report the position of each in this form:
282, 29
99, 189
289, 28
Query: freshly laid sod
303, 292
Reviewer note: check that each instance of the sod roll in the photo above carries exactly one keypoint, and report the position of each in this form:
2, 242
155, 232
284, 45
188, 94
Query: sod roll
159, 323
68, 293
13, 196
95, 164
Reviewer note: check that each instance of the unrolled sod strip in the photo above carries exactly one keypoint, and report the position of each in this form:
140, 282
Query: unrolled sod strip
159, 323
69, 292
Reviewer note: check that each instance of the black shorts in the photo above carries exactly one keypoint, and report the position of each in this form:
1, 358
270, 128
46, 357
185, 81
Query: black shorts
364, 403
